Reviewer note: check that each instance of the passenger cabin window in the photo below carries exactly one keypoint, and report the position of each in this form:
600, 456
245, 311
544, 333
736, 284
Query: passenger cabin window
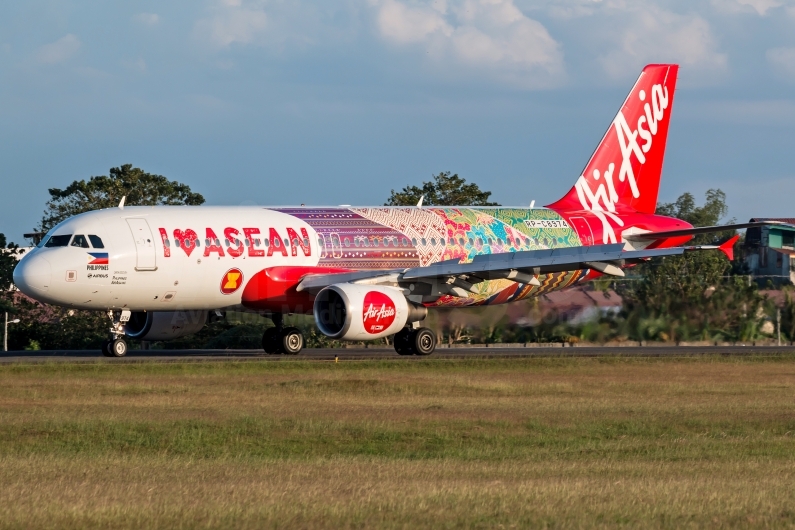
80, 241
58, 241
96, 242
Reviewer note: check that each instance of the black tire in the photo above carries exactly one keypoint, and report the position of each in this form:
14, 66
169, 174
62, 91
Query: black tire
292, 341
403, 342
106, 348
271, 342
424, 341
118, 348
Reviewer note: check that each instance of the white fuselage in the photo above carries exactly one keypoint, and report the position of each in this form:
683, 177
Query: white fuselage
145, 268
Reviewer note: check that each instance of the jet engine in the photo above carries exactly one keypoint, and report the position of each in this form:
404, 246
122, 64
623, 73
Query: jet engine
164, 325
363, 312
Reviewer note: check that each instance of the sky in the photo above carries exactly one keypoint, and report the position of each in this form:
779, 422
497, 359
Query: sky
324, 103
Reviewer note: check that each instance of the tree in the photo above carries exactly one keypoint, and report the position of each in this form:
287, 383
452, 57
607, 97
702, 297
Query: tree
140, 188
690, 296
8, 261
710, 214
444, 190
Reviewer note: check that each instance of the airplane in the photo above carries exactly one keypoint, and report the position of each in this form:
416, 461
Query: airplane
367, 272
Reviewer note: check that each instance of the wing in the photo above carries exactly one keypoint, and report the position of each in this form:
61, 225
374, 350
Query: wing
459, 279
652, 236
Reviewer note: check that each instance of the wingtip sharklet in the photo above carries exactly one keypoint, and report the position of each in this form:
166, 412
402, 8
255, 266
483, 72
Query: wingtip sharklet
728, 247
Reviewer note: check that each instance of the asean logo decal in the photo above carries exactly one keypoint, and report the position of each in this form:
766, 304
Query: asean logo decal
378, 312
231, 281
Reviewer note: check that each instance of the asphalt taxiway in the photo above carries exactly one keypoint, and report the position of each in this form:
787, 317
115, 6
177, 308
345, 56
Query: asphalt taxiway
352, 354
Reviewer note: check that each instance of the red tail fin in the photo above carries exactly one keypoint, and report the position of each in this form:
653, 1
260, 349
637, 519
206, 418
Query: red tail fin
624, 171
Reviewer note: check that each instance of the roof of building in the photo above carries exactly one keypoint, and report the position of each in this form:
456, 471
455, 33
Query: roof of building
788, 220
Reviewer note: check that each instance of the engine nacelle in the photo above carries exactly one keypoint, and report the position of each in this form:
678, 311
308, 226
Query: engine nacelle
363, 312
164, 325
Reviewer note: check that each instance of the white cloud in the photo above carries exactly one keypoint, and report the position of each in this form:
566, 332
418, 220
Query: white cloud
404, 24
147, 19
761, 7
648, 34
491, 36
58, 51
138, 65
573, 8
233, 22
782, 60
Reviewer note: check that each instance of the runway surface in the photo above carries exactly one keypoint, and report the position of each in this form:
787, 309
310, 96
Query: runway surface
352, 354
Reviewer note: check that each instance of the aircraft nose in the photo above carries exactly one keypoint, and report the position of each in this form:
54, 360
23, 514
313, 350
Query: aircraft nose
33, 275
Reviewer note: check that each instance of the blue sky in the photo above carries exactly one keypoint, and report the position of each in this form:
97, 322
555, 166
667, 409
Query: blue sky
268, 102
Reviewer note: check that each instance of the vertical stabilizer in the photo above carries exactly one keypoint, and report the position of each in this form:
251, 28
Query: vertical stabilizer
623, 175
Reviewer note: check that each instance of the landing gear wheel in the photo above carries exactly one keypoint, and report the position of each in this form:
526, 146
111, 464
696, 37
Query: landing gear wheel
118, 348
106, 348
271, 342
424, 341
403, 342
292, 341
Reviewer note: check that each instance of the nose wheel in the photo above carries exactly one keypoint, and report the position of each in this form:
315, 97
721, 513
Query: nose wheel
114, 348
421, 341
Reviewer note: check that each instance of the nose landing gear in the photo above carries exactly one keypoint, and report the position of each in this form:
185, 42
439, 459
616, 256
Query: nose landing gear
116, 346
279, 340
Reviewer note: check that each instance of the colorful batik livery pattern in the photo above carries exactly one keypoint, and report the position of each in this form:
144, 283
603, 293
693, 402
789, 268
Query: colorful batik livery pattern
401, 238
349, 240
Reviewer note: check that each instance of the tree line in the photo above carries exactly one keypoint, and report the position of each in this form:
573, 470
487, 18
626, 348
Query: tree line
696, 296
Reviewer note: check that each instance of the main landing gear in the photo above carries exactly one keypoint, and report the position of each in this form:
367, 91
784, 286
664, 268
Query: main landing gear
116, 346
420, 341
279, 340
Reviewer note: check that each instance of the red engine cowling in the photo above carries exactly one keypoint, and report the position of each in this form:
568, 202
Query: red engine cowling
363, 312
274, 289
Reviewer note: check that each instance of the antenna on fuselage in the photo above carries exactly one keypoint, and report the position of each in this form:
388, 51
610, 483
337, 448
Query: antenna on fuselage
121, 203
419, 204
532, 203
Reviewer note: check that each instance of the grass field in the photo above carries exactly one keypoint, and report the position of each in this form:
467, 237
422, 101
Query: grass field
662, 443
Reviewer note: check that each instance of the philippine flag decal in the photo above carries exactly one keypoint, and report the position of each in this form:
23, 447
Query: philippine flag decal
231, 281
97, 258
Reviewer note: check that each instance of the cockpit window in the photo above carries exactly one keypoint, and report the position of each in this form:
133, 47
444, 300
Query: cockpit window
58, 241
96, 242
80, 241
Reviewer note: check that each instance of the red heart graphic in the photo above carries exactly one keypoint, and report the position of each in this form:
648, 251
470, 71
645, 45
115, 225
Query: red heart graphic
187, 240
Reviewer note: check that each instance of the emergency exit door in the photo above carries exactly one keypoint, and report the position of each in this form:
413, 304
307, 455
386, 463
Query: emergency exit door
144, 245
